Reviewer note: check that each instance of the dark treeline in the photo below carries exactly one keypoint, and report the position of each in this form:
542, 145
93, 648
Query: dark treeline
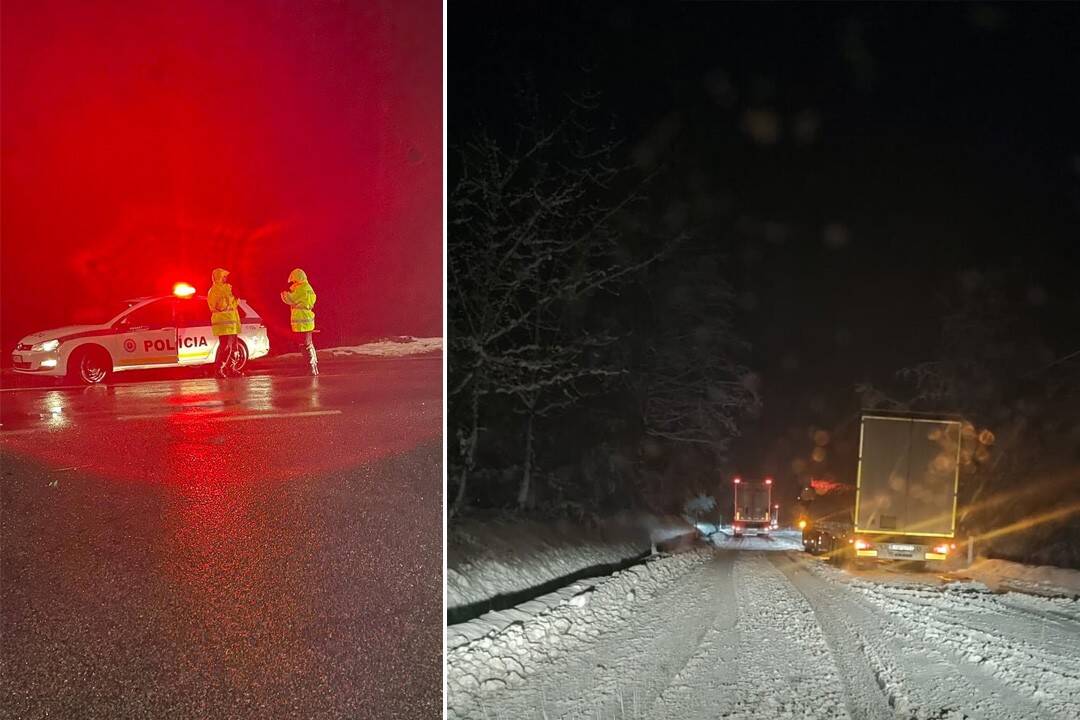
593, 361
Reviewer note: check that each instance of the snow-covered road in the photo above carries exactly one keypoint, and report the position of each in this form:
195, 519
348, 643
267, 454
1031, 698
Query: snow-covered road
747, 633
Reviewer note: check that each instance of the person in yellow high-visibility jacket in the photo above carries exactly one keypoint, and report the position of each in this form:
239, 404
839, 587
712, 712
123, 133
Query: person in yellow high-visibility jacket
300, 297
224, 321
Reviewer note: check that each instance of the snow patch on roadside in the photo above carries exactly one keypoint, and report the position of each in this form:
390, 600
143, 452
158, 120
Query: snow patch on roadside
391, 348
1038, 579
493, 557
395, 347
501, 649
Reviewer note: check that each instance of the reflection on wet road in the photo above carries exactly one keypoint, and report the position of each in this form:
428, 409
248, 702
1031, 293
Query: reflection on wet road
260, 547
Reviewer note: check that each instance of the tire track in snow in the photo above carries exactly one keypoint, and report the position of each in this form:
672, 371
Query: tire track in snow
756, 634
708, 675
627, 664
863, 685
772, 663
913, 651
1001, 652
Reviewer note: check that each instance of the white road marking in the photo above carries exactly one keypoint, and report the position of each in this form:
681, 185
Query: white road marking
221, 417
266, 416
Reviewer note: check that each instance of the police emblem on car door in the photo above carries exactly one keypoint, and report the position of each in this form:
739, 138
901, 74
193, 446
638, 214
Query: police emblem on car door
146, 337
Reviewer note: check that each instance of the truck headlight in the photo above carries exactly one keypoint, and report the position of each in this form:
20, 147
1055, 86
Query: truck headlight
47, 346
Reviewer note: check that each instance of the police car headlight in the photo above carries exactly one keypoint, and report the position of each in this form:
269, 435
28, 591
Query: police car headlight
47, 346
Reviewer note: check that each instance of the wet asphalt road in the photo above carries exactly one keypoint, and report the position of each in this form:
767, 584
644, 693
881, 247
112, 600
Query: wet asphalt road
264, 547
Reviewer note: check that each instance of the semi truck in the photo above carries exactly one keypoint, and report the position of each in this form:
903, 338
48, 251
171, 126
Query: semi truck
903, 507
753, 506
906, 488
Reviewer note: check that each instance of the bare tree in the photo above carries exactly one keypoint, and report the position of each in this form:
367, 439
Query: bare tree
531, 235
693, 390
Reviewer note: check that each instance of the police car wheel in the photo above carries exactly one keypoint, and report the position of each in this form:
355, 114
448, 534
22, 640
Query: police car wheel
91, 365
240, 355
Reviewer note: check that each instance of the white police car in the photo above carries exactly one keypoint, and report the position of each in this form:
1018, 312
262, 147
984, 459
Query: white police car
154, 332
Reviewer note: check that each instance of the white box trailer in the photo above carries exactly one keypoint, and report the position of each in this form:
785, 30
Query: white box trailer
753, 506
906, 488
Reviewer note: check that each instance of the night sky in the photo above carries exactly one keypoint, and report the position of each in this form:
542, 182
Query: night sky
145, 142
866, 158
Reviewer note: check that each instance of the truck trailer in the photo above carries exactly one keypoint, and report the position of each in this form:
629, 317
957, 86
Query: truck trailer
906, 488
753, 506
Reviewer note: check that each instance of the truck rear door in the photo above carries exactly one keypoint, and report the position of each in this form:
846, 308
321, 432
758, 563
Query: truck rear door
907, 476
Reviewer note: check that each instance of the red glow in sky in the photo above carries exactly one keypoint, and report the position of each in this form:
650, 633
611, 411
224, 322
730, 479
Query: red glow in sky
149, 142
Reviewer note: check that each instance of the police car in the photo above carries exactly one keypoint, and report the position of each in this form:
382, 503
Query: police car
153, 332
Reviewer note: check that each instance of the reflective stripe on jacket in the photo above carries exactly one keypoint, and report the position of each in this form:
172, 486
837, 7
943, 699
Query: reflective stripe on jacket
224, 318
301, 298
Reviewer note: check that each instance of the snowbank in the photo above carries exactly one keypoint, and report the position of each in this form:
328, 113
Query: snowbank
501, 649
1038, 579
394, 347
500, 556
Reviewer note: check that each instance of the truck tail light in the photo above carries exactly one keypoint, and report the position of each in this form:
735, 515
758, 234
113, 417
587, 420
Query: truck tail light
942, 549
861, 545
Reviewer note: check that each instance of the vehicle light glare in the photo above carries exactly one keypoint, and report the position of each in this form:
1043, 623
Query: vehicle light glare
47, 346
861, 544
737, 481
802, 524
183, 290
942, 549
48, 363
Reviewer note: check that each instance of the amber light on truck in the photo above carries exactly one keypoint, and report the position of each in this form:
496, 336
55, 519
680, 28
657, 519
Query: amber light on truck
802, 524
